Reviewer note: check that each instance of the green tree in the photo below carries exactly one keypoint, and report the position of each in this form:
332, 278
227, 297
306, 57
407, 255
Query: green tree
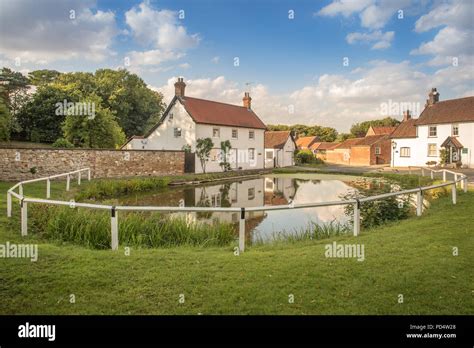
203, 151
344, 136
136, 107
43, 77
5, 121
225, 149
15, 94
100, 131
360, 129
39, 119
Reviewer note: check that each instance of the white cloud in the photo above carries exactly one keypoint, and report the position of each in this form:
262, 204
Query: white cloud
344, 7
42, 33
152, 57
159, 28
185, 66
382, 40
337, 100
454, 39
215, 59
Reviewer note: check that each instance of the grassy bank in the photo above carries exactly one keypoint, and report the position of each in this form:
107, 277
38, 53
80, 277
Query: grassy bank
413, 257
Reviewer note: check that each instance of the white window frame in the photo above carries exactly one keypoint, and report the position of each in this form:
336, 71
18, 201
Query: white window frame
378, 150
251, 154
268, 152
435, 131
455, 126
436, 150
218, 132
251, 134
408, 150
178, 129
251, 193
236, 133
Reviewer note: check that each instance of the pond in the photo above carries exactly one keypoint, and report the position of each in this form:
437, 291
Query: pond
263, 191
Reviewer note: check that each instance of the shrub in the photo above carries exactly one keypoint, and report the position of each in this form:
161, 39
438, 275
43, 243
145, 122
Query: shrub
304, 156
62, 143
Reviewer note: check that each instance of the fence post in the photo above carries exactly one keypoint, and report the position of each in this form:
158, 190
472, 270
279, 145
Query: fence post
9, 204
465, 184
24, 217
455, 180
20, 190
242, 230
422, 172
68, 182
114, 229
48, 188
432, 175
444, 175
89, 174
454, 192
357, 218
419, 203
79, 178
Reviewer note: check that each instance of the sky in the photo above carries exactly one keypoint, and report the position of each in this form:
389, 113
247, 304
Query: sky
331, 63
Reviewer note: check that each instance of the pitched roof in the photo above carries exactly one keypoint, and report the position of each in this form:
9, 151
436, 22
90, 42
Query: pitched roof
383, 130
324, 145
276, 139
406, 129
348, 143
371, 140
306, 141
211, 112
448, 111
454, 141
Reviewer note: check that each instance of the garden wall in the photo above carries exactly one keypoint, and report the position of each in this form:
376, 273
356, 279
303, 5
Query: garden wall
26, 163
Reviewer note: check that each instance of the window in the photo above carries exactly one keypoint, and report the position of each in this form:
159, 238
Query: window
378, 151
177, 132
234, 133
251, 193
170, 117
251, 154
455, 131
269, 155
269, 185
433, 131
215, 154
431, 150
251, 134
216, 200
404, 152
216, 132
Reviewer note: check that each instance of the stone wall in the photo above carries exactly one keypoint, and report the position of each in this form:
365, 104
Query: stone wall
18, 164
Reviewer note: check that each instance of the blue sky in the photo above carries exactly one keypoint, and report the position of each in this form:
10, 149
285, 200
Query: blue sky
295, 66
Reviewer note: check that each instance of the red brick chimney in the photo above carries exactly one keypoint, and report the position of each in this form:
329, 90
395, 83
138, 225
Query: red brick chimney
433, 97
406, 115
179, 87
247, 101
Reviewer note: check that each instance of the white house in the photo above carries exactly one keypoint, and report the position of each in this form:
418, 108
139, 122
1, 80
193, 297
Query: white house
445, 125
280, 147
188, 119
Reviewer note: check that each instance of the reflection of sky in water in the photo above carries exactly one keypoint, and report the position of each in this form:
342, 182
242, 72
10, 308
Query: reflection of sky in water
297, 219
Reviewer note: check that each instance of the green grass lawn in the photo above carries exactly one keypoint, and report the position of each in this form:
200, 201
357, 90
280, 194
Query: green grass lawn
413, 257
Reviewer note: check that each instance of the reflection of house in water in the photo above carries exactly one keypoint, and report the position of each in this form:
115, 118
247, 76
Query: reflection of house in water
279, 191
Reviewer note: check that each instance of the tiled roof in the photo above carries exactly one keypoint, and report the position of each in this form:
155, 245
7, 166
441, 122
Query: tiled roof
406, 129
348, 143
448, 111
370, 140
306, 142
323, 145
276, 139
383, 130
211, 112
454, 141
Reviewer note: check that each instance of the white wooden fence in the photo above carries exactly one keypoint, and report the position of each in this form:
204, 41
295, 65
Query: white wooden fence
24, 200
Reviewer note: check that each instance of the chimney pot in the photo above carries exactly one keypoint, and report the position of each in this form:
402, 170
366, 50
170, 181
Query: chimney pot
179, 87
433, 97
406, 115
247, 100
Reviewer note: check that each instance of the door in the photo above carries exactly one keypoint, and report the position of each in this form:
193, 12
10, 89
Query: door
189, 162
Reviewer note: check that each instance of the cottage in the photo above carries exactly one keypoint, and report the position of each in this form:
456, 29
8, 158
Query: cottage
280, 147
447, 125
380, 130
188, 119
319, 149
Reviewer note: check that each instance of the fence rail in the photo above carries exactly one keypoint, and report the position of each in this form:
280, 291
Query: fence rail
24, 200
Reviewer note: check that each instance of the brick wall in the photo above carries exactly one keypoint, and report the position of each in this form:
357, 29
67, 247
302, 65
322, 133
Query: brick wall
360, 155
338, 156
16, 164
386, 152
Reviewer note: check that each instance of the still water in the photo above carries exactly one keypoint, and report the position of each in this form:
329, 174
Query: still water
266, 190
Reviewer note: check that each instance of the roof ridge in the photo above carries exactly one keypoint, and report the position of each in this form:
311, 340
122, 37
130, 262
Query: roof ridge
214, 101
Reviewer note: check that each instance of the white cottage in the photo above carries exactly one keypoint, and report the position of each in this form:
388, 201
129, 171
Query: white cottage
280, 147
445, 125
187, 119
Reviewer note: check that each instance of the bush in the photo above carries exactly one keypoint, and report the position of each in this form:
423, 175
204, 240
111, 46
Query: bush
304, 156
63, 144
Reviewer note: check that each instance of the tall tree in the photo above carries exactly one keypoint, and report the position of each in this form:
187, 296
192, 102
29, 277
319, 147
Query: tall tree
43, 77
100, 131
5, 119
15, 91
203, 151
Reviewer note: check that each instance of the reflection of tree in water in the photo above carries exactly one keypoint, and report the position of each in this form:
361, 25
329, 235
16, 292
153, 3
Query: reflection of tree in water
224, 190
204, 201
